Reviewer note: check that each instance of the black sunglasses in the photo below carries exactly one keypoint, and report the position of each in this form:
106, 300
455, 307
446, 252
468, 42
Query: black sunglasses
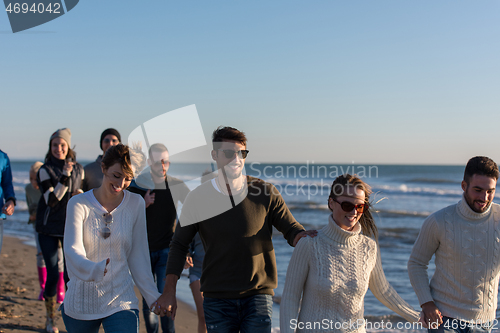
230, 153
348, 206
106, 230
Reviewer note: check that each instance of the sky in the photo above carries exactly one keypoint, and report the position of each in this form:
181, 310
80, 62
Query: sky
364, 82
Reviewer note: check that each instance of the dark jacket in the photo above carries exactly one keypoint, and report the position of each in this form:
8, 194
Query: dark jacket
51, 212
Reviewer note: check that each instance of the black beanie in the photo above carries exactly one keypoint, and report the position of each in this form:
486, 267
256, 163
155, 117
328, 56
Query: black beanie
109, 131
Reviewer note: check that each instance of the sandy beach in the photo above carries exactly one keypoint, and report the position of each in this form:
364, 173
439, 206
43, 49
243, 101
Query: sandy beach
20, 310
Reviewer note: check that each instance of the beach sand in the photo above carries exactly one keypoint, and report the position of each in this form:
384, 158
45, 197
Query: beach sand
20, 310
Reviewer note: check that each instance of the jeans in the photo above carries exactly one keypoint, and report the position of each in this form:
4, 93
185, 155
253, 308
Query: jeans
50, 248
450, 325
159, 269
125, 321
246, 315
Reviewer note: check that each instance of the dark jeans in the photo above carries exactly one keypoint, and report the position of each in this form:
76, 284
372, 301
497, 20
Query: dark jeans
450, 325
246, 315
49, 246
159, 268
125, 321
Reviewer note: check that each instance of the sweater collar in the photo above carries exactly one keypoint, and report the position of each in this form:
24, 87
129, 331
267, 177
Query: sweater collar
468, 213
57, 162
339, 235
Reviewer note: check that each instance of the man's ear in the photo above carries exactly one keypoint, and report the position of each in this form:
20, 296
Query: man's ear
103, 168
464, 185
214, 155
149, 162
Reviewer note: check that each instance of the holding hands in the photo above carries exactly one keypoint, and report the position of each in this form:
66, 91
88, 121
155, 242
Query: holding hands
431, 317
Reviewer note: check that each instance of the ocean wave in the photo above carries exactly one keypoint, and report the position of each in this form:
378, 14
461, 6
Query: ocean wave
433, 181
389, 212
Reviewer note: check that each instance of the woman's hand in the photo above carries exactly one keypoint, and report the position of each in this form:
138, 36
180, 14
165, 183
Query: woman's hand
68, 167
105, 268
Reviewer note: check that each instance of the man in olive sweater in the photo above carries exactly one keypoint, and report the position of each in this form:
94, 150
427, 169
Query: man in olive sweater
234, 215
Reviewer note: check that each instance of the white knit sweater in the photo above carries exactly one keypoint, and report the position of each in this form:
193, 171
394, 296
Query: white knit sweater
332, 273
467, 249
91, 295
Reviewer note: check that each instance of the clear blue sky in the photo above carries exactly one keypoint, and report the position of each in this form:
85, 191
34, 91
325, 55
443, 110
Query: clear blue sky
331, 81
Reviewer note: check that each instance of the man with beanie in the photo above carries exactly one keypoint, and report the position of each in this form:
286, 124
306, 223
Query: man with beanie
464, 238
93, 172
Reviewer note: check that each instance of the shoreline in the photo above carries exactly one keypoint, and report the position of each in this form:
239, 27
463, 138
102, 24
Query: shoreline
20, 309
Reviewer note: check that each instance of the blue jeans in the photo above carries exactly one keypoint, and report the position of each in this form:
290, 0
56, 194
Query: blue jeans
450, 325
125, 321
246, 315
159, 269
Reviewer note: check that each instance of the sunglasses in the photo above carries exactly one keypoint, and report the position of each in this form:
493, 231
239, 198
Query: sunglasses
106, 230
160, 163
348, 206
230, 153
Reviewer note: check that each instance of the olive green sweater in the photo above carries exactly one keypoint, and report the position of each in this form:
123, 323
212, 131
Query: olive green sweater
239, 259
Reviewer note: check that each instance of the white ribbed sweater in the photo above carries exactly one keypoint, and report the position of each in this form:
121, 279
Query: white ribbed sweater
91, 295
467, 249
332, 273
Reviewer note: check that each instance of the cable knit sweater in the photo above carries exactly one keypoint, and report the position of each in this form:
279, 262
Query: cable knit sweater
91, 295
332, 273
467, 249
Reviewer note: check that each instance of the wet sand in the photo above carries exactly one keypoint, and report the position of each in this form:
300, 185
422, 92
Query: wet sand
20, 310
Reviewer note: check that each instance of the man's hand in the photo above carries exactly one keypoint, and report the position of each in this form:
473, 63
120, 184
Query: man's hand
149, 198
311, 233
166, 304
432, 315
8, 208
189, 262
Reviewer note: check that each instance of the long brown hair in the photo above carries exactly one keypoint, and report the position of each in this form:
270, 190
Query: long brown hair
338, 189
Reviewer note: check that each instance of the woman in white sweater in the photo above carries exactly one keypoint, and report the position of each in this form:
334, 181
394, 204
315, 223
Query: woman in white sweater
107, 251
328, 275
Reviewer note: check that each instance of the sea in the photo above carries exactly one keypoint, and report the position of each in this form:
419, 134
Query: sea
403, 196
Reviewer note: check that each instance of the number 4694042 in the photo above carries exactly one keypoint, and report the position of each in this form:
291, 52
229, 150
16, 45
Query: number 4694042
35, 8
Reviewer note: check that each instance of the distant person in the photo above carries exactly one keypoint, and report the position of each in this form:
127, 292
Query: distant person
33, 195
7, 196
106, 248
235, 221
162, 193
59, 179
329, 275
93, 174
465, 240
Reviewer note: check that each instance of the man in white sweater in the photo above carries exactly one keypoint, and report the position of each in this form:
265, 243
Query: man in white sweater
465, 238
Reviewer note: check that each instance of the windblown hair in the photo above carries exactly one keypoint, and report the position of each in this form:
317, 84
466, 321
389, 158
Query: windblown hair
225, 133
481, 165
340, 187
132, 160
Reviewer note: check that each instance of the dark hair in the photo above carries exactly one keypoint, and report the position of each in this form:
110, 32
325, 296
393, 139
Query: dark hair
129, 159
225, 133
71, 153
338, 189
157, 147
480, 165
